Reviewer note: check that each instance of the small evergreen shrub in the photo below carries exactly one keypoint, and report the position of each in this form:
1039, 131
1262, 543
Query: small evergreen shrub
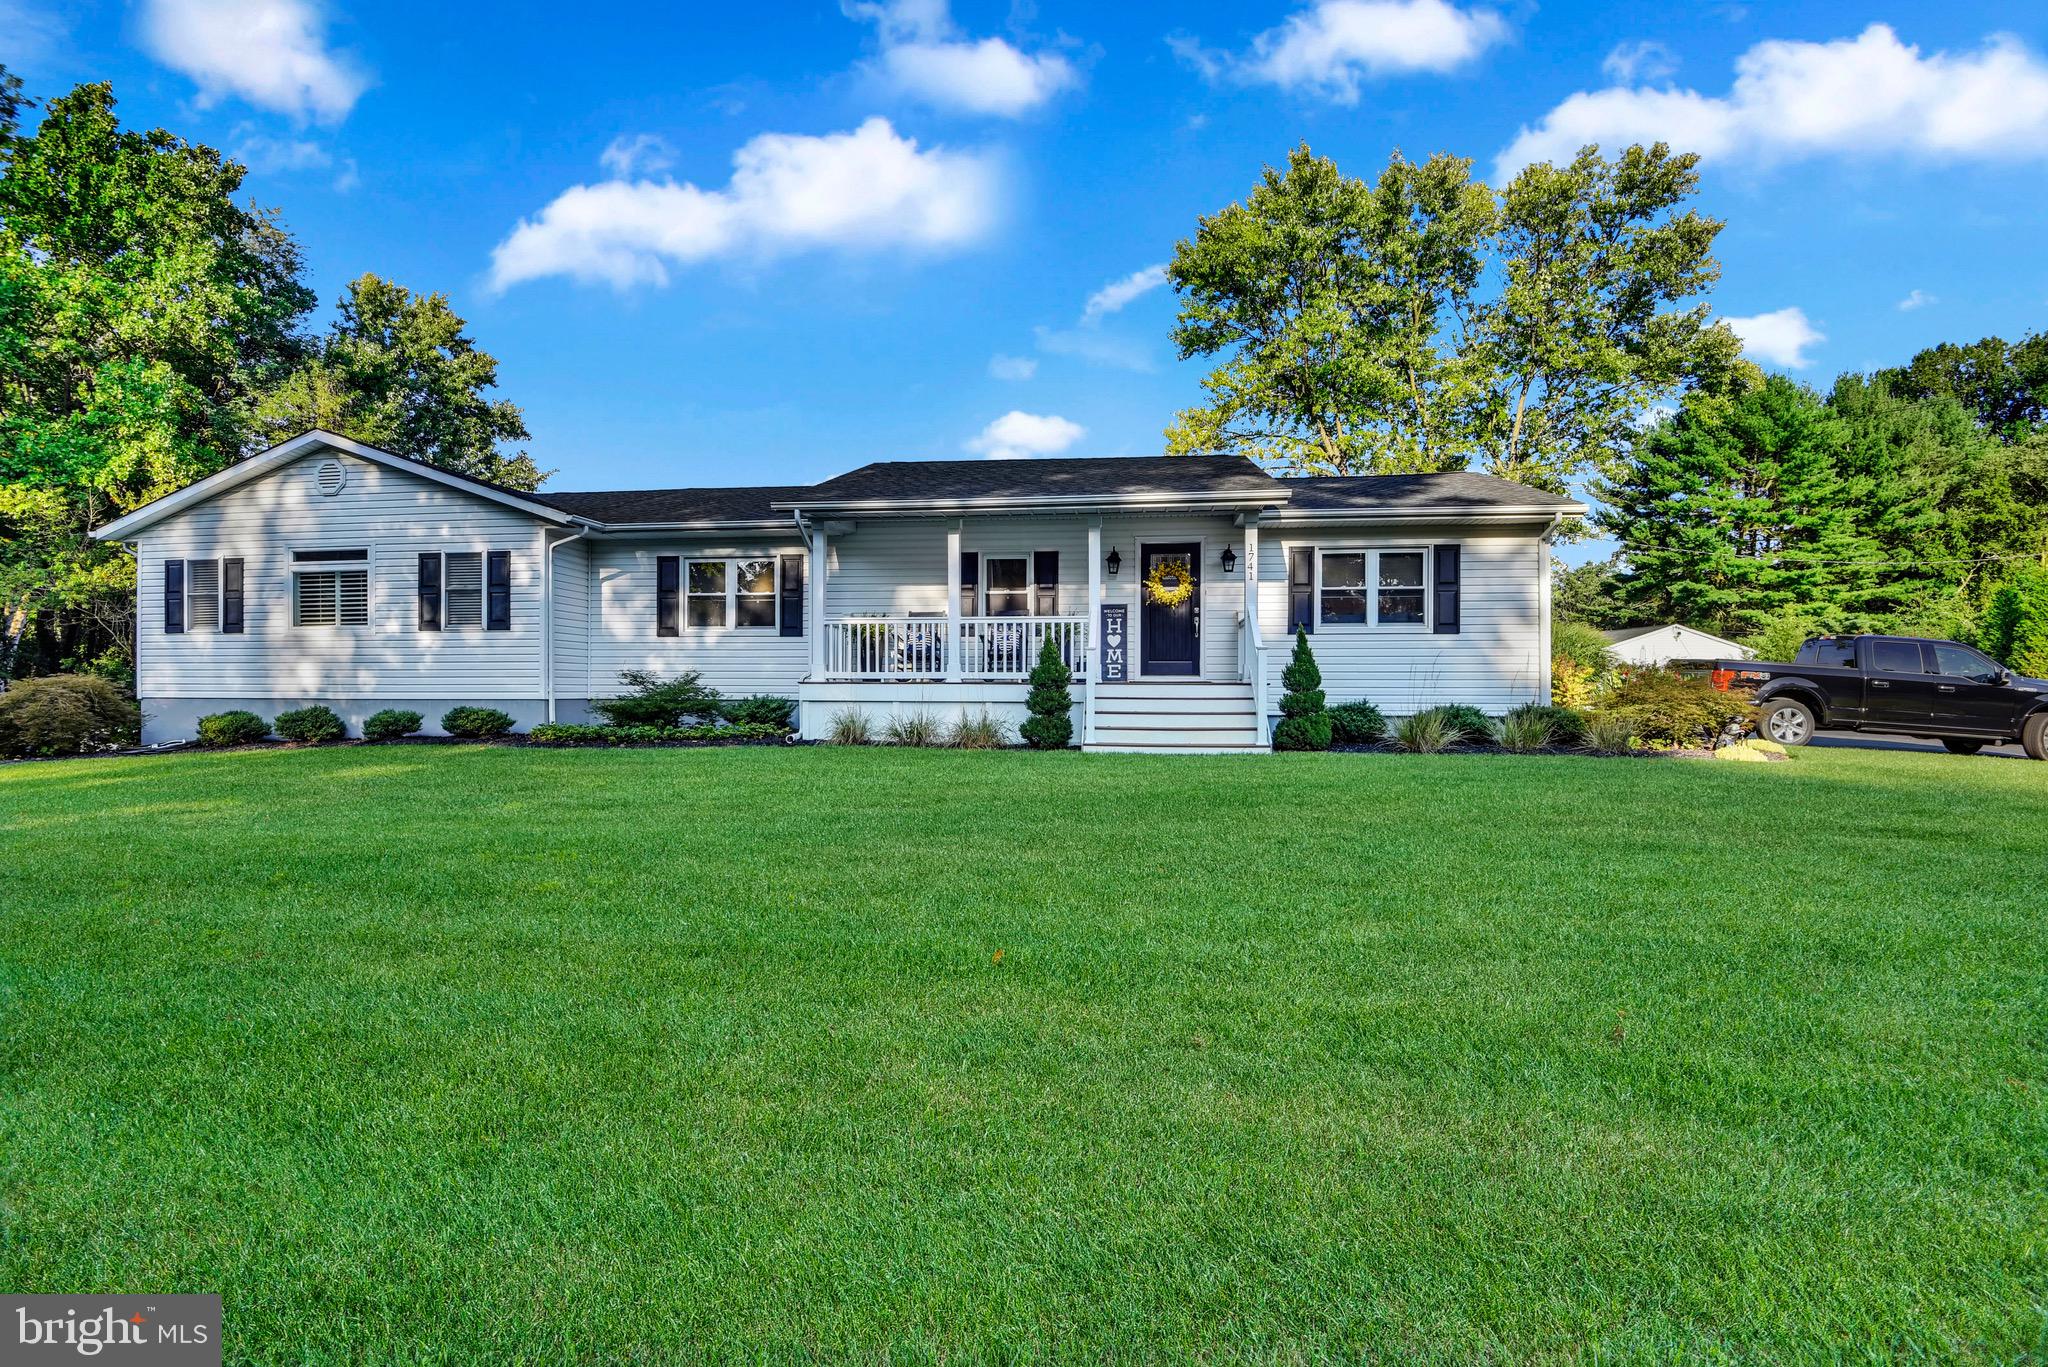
1356, 723
315, 725
850, 726
476, 723
650, 700
233, 728
66, 714
1566, 725
393, 723
1425, 733
761, 710
914, 728
1051, 724
982, 731
1666, 710
1304, 722
705, 733
1471, 726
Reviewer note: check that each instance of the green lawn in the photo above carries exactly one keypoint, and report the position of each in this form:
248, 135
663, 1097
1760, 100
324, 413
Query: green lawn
448, 1054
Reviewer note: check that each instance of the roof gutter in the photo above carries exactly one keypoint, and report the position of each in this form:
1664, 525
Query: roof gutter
1064, 502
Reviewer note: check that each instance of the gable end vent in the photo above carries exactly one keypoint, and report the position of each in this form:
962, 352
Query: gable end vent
329, 476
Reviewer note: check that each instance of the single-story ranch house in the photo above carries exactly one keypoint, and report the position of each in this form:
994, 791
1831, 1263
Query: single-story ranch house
324, 570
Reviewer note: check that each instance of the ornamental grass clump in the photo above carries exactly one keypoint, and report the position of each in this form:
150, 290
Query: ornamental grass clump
1428, 732
1563, 725
914, 728
850, 726
983, 730
1304, 722
1524, 730
1051, 723
1472, 726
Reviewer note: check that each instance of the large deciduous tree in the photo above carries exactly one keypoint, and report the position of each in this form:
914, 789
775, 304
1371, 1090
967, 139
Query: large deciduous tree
1427, 322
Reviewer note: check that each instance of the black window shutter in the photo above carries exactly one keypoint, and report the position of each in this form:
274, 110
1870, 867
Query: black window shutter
792, 595
970, 582
1301, 588
1446, 558
668, 583
174, 596
498, 591
231, 596
430, 590
1045, 574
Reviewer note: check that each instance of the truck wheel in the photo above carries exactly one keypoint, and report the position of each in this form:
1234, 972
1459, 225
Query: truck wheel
1787, 721
2034, 736
1956, 745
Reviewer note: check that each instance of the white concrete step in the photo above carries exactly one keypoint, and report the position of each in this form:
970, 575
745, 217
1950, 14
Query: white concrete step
1176, 717
1125, 705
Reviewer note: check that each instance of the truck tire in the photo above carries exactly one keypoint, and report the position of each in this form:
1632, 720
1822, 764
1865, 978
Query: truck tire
2034, 736
1956, 745
1787, 721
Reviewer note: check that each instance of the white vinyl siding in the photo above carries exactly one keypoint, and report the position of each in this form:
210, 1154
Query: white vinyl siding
736, 660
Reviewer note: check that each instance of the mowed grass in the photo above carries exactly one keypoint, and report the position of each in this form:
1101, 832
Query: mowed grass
489, 1054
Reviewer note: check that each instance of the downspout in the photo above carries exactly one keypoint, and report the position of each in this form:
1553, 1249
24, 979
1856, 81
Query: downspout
547, 612
1543, 544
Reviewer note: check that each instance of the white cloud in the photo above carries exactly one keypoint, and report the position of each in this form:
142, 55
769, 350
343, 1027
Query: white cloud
1645, 60
1867, 95
789, 192
1334, 46
1095, 346
1003, 367
1781, 338
266, 155
1916, 299
925, 57
1111, 298
1016, 435
643, 153
270, 53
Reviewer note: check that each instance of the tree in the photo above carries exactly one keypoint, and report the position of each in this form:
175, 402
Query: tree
397, 370
1359, 338
2015, 626
1588, 593
1304, 721
1051, 723
2002, 385
1733, 510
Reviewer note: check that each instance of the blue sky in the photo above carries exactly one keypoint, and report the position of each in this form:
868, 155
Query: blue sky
901, 261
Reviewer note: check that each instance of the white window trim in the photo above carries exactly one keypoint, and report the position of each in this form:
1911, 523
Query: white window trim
483, 554
1372, 556
732, 592
297, 568
1030, 558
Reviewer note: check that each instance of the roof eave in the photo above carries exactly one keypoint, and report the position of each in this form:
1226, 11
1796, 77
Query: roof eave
881, 507
1438, 513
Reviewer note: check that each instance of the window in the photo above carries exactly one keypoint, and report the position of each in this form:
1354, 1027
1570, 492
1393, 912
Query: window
1372, 588
331, 588
1837, 652
202, 595
706, 586
754, 593
462, 589
1009, 586
1961, 662
1896, 657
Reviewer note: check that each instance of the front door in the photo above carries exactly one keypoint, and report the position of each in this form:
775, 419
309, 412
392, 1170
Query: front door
1170, 638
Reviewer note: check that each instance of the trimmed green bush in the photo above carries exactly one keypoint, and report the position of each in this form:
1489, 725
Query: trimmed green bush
233, 728
1304, 722
476, 723
1468, 724
1051, 723
1666, 710
564, 733
66, 714
1356, 723
650, 700
1566, 725
393, 723
315, 725
760, 710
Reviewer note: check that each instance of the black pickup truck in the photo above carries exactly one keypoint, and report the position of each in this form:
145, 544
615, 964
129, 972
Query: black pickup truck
1933, 689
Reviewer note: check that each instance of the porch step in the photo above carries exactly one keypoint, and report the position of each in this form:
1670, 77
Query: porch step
1193, 716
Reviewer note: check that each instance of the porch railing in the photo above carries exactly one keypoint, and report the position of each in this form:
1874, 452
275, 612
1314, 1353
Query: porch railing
917, 647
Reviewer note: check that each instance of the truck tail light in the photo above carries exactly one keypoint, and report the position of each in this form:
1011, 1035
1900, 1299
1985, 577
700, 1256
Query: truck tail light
1723, 678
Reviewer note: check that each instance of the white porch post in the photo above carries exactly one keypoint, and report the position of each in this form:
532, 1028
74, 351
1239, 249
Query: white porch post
1253, 635
1091, 630
819, 559
953, 601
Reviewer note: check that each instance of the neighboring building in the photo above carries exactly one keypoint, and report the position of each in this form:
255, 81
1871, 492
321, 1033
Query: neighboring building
1661, 645
328, 571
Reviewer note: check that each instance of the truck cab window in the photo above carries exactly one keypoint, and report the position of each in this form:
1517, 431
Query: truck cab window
1896, 657
1962, 663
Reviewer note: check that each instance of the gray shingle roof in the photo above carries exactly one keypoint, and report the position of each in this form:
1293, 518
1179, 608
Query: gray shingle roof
1459, 490
748, 504
1105, 477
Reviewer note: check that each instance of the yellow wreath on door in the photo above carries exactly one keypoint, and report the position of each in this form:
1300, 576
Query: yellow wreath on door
1170, 595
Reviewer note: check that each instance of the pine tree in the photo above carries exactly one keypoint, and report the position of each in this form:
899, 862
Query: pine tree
1051, 724
1304, 724
2015, 627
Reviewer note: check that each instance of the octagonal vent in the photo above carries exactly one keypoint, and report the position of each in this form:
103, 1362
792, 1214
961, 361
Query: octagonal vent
329, 476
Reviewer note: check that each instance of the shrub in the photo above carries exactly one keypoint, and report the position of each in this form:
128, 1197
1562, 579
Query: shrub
313, 725
1469, 724
1571, 683
760, 710
1781, 634
1051, 724
1583, 645
914, 728
475, 723
1608, 735
651, 700
1304, 722
1665, 710
391, 724
1523, 730
233, 728
66, 714
850, 726
1565, 725
565, 733
1356, 723
982, 731
1426, 733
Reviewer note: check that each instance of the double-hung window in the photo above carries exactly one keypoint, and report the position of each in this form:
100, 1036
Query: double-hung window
1009, 585
736, 593
462, 589
331, 588
1373, 588
202, 595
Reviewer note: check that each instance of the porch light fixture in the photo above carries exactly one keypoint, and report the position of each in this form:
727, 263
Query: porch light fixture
1115, 562
1229, 559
